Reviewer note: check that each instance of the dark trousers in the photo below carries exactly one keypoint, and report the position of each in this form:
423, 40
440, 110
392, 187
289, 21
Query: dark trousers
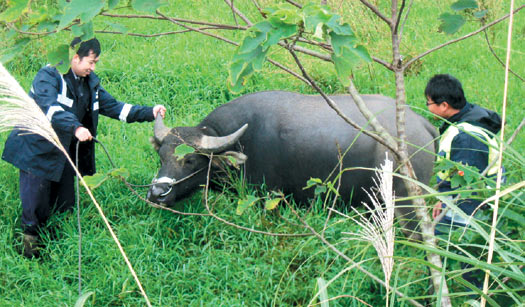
41, 198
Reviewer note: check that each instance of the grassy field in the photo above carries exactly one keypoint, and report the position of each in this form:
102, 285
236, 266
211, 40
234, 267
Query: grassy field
198, 261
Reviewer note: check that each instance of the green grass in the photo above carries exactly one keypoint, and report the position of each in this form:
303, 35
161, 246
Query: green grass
198, 261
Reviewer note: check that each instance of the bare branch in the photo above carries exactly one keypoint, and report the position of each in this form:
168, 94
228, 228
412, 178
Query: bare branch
515, 134
239, 13
497, 57
195, 22
398, 17
196, 30
377, 12
149, 35
333, 105
407, 64
294, 4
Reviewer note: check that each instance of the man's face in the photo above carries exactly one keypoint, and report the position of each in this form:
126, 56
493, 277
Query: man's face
437, 109
83, 67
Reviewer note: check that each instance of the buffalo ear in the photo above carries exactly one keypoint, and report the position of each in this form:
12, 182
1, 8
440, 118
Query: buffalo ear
155, 144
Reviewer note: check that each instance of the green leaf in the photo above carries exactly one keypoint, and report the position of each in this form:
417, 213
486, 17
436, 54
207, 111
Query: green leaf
343, 66
182, 150
95, 181
60, 58
464, 4
112, 4
118, 27
480, 14
450, 24
148, 6
271, 204
314, 17
244, 204
84, 31
119, 172
81, 301
14, 10
85, 9
340, 42
95, 6
338, 28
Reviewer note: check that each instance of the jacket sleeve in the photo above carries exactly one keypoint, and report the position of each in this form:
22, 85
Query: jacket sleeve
45, 91
125, 112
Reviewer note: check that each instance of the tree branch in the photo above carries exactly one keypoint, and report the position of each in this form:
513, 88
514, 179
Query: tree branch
334, 106
377, 12
407, 64
497, 57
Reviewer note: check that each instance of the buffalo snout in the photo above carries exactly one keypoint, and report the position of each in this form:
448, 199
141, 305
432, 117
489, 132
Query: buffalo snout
158, 193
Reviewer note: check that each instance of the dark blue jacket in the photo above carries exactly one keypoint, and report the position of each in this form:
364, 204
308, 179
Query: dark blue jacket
466, 148
56, 96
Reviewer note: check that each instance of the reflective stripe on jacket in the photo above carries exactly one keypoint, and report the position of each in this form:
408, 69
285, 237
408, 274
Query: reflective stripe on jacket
445, 146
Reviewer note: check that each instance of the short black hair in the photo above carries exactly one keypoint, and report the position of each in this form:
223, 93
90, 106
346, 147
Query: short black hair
444, 87
86, 46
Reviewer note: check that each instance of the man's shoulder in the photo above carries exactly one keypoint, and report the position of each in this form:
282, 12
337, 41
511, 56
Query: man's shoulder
48, 71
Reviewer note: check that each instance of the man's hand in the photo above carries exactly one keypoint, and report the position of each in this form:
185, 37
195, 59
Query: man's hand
159, 109
436, 210
83, 134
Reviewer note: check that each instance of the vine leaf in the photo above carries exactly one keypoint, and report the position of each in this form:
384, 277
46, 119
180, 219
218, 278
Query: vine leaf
464, 4
244, 204
14, 10
85, 9
450, 23
60, 58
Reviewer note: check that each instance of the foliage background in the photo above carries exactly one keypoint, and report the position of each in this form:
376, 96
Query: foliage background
199, 261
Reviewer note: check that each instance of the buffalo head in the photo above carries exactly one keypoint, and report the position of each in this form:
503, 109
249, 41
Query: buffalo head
177, 177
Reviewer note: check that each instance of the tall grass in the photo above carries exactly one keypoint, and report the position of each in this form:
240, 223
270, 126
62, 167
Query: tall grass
197, 260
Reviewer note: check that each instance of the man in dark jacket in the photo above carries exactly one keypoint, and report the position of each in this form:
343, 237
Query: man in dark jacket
467, 137
72, 102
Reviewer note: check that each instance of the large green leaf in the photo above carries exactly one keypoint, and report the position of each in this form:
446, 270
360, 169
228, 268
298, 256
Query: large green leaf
315, 16
85, 9
464, 4
15, 9
450, 23
94, 8
244, 204
148, 6
60, 58
84, 31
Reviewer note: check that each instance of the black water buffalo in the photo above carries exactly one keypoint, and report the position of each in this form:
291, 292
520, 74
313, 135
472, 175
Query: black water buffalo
287, 139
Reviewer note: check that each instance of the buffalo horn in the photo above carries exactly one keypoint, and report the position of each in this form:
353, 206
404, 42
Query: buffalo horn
219, 143
160, 130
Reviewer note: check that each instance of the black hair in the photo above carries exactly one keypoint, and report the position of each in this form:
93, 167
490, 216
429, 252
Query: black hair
445, 87
86, 46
